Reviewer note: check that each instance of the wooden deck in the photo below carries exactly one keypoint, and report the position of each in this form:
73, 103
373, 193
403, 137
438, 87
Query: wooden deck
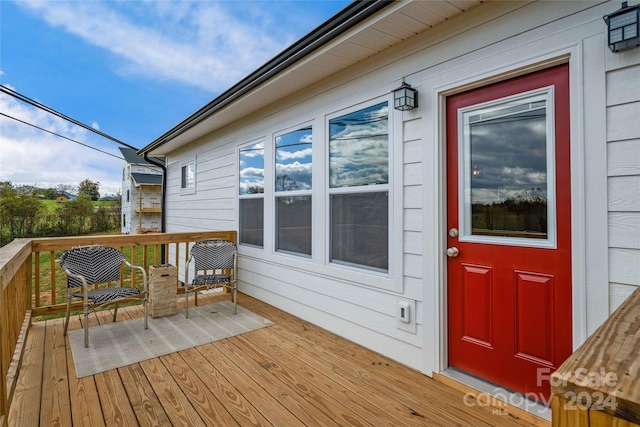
290, 374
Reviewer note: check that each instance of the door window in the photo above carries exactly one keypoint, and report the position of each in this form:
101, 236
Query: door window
506, 171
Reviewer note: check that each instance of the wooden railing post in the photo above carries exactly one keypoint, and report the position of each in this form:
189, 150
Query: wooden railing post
4, 403
15, 305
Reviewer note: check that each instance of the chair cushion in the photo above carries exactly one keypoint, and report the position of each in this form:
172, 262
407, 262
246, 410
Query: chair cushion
211, 279
109, 294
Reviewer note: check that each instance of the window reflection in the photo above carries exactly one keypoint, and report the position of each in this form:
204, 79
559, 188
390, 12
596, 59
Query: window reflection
188, 176
359, 147
252, 169
508, 170
294, 160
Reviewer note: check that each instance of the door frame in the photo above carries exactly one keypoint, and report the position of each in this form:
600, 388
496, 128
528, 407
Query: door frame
435, 357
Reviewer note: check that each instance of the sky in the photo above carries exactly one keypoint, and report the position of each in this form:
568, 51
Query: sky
130, 69
509, 154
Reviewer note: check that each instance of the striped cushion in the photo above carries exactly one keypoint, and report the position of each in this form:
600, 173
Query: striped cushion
211, 279
108, 294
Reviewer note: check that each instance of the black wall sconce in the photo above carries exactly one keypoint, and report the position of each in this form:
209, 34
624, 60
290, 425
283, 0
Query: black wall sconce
623, 27
405, 97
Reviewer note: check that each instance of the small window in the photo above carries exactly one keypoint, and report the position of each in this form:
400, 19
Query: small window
251, 193
188, 176
128, 195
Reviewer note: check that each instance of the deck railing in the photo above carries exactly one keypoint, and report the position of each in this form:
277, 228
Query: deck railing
32, 284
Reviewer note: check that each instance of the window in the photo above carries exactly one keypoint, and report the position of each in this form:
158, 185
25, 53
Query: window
359, 188
293, 163
251, 191
128, 195
188, 177
509, 198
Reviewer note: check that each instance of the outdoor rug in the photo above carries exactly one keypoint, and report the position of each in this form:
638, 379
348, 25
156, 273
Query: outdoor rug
122, 343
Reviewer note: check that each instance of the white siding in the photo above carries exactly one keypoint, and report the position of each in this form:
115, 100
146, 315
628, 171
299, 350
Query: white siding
623, 164
212, 206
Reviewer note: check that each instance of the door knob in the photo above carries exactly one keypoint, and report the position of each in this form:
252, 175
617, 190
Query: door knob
452, 252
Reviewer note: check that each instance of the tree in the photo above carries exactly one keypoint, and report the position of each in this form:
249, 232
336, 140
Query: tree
49, 193
89, 188
74, 216
6, 188
64, 189
19, 210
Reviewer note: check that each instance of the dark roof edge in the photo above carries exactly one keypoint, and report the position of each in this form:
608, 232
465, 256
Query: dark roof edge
347, 18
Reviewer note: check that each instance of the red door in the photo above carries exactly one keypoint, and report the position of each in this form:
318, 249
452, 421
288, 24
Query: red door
509, 231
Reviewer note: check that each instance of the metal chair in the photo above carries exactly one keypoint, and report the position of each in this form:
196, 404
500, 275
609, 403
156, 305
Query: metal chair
92, 265
219, 257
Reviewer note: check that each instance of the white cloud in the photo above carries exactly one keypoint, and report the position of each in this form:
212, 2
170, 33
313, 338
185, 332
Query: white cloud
202, 44
30, 156
299, 154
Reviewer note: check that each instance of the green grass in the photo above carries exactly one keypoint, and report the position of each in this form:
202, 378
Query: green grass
51, 205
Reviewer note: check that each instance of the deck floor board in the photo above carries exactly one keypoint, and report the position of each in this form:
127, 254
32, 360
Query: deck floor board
289, 374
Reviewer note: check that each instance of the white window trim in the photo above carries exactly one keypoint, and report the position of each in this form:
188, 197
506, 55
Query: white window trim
390, 188
464, 219
265, 191
295, 193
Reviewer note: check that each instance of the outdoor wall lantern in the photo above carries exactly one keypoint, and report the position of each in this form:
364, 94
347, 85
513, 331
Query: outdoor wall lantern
624, 28
405, 97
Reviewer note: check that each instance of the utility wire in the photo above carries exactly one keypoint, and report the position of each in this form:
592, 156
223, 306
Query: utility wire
36, 104
61, 136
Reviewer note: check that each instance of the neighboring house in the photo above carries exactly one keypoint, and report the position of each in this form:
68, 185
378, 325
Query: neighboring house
65, 197
489, 231
141, 194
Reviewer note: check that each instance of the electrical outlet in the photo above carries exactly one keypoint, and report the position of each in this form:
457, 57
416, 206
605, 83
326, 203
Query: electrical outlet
404, 311
406, 315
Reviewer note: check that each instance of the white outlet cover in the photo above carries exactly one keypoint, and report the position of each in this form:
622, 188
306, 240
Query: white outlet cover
410, 308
